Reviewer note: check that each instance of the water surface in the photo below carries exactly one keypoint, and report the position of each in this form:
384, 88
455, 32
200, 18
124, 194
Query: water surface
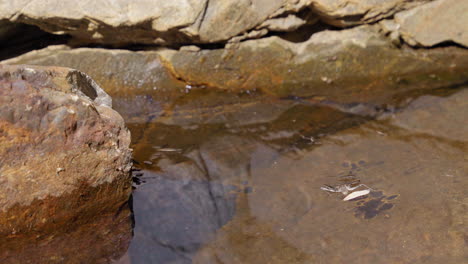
237, 180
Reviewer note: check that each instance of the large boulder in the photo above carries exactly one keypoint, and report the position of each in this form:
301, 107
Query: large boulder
64, 152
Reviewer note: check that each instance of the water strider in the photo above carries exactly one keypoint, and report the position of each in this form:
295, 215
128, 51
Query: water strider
342, 188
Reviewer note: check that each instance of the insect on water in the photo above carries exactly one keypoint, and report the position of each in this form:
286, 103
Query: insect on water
346, 188
342, 188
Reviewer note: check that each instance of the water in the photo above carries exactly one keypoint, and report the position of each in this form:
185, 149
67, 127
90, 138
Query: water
237, 180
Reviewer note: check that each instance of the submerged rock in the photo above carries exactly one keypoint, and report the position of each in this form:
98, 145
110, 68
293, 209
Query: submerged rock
415, 162
64, 152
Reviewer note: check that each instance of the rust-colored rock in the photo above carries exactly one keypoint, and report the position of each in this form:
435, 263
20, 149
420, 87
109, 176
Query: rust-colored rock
64, 152
103, 239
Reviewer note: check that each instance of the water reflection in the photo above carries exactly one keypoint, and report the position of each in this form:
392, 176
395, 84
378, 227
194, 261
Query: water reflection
230, 189
174, 217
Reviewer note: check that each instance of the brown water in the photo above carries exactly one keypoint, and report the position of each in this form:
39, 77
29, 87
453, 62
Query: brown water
236, 179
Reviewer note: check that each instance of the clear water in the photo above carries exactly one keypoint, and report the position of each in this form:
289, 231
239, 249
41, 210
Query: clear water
235, 178
239, 182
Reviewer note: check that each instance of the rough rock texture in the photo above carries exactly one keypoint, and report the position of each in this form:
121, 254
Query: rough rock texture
131, 78
116, 71
333, 65
434, 23
64, 152
142, 21
357, 64
109, 235
99, 22
349, 12
125, 22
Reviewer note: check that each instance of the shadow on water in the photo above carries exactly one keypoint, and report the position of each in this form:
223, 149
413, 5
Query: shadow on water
239, 181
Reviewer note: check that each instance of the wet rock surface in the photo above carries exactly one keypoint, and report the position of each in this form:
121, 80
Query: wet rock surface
64, 152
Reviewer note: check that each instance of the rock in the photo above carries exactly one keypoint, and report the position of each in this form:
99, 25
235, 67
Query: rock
288, 23
103, 239
125, 22
120, 73
226, 19
345, 13
148, 22
116, 22
434, 23
64, 152
338, 65
419, 116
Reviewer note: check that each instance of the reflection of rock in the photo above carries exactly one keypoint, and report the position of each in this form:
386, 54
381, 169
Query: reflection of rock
102, 239
434, 23
419, 219
220, 139
174, 217
64, 153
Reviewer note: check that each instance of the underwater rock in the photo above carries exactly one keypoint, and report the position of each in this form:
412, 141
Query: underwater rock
64, 152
